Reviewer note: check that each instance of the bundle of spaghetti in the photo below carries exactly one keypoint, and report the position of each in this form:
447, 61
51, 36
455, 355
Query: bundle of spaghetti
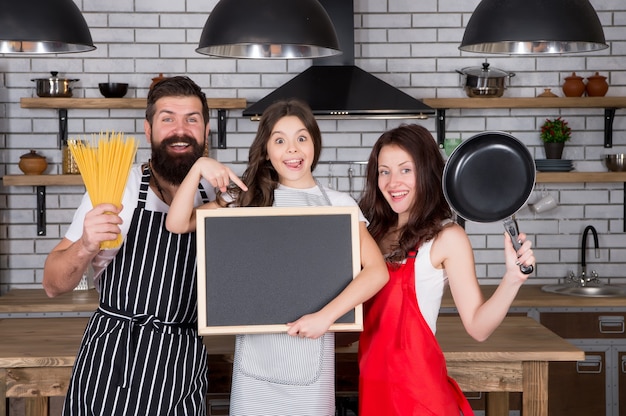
104, 164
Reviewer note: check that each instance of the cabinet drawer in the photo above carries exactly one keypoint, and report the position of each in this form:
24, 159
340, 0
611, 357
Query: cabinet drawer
621, 382
578, 388
585, 325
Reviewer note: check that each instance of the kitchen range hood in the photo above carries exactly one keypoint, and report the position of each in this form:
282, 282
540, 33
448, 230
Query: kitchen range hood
335, 88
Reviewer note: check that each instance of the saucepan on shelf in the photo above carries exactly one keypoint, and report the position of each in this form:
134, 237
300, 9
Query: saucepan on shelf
615, 162
54, 86
484, 81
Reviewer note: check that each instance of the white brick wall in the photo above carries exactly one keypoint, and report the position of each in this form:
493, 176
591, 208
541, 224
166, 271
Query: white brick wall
410, 44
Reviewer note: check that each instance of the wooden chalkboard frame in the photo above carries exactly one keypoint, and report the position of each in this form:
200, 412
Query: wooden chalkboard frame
325, 237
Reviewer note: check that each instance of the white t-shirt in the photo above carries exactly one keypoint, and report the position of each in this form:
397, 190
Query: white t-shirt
129, 203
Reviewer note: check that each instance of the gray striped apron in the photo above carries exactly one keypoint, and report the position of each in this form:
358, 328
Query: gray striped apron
141, 353
277, 374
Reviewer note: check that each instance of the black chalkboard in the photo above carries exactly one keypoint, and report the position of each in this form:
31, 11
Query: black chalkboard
259, 268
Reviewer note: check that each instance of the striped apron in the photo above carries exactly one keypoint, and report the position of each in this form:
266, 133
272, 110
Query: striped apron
141, 353
281, 375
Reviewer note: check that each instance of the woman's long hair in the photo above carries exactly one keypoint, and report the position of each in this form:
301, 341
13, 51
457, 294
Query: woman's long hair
430, 207
260, 176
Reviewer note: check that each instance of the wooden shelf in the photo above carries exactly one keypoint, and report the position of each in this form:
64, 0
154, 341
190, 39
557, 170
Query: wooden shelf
609, 104
572, 177
533, 102
42, 180
133, 103
579, 177
63, 104
542, 177
240, 103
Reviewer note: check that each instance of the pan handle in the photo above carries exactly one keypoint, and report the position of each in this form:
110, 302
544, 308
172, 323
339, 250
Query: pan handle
511, 227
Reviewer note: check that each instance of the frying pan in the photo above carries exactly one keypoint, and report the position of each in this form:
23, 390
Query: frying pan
488, 178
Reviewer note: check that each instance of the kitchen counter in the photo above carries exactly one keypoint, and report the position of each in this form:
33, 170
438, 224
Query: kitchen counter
37, 354
476, 366
531, 296
36, 301
55, 369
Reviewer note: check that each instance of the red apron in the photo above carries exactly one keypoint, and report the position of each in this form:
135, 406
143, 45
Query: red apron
402, 368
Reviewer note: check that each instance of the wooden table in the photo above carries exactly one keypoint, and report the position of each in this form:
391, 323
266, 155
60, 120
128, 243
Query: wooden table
529, 296
37, 354
35, 301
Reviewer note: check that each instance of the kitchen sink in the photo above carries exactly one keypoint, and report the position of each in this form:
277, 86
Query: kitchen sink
593, 291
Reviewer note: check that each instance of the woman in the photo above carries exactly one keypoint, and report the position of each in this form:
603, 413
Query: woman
402, 369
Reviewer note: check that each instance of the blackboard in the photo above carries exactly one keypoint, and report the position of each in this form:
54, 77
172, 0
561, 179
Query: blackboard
259, 268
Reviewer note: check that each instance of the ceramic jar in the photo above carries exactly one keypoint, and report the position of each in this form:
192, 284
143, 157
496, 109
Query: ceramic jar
597, 85
573, 86
547, 92
156, 80
32, 163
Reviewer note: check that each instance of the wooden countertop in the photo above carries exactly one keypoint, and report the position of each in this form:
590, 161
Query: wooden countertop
531, 296
54, 342
36, 301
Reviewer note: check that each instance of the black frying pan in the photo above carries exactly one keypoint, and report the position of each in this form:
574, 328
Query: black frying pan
488, 178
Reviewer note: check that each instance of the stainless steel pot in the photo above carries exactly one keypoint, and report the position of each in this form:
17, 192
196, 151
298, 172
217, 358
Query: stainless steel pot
484, 81
54, 86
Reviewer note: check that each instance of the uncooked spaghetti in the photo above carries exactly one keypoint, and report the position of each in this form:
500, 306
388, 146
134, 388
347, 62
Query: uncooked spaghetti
104, 164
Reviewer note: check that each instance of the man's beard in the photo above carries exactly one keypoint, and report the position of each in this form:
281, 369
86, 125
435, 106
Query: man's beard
174, 167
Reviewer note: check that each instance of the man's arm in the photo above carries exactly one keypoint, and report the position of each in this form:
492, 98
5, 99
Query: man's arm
67, 262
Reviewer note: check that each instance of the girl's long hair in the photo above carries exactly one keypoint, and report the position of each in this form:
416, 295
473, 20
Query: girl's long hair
260, 176
430, 207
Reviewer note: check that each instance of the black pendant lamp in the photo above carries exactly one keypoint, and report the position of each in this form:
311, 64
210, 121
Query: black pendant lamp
281, 29
43, 26
533, 27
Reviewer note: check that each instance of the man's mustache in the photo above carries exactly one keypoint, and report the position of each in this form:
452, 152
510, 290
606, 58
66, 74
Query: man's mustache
178, 139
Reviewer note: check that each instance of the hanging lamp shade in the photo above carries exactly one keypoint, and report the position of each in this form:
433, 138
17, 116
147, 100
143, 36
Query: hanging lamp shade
533, 27
43, 26
282, 29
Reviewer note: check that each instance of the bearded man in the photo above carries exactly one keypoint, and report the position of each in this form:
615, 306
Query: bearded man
141, 353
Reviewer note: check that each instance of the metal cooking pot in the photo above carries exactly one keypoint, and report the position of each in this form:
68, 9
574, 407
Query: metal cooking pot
54, 86
488, 178
484, 81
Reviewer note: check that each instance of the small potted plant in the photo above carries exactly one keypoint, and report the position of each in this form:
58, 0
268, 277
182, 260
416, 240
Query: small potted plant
554, 134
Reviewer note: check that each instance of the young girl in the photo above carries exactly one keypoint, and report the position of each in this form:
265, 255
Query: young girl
402, 369
293, 373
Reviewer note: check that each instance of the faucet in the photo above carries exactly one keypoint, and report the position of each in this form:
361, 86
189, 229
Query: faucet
583, 280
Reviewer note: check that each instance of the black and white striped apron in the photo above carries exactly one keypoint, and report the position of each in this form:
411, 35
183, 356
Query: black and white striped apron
141, 353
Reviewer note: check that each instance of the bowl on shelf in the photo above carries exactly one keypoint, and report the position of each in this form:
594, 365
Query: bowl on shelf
615, 162
113, 89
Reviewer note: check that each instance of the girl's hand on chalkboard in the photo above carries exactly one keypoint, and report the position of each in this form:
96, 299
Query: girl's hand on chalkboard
312, 326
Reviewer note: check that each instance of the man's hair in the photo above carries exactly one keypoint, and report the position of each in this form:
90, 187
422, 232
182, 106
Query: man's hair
178, 86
